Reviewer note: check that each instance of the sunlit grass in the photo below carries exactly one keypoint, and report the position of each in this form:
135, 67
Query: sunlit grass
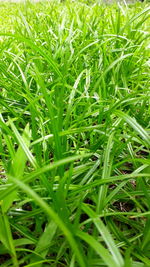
74, 134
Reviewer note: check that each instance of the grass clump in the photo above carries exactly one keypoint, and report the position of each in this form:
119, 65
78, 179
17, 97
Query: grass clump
74, 130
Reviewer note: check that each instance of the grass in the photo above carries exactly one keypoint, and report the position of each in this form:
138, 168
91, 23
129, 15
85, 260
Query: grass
74, 134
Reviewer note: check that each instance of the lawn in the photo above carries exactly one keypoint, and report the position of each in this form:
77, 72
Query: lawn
74, 134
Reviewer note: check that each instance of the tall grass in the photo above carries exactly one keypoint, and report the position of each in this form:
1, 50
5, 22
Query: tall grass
74, 134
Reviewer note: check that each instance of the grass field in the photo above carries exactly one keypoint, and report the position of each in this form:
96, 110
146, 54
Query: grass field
74, 134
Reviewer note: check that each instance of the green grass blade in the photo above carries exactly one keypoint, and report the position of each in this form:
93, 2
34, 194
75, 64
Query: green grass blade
99, 249
105, 235
54, 216
135, 125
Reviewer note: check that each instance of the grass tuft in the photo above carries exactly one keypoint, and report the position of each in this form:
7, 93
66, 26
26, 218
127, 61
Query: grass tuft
74, 134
